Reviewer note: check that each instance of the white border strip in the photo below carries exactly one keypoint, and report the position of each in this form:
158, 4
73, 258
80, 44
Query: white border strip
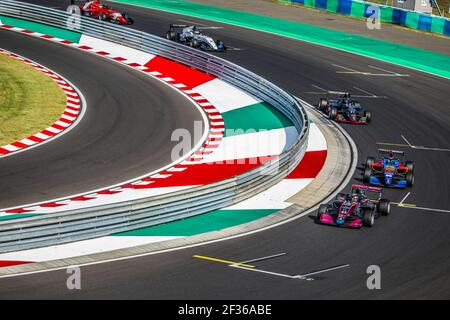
196, 148
307, 212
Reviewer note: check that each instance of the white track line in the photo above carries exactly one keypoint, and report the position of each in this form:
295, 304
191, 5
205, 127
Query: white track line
426, 209
431, 149
370, 95
265, 258
317, 87
403, 200
323, 270
409, 144
365, 91
422, 147
264, 271
348, 69
393, 73
299, 277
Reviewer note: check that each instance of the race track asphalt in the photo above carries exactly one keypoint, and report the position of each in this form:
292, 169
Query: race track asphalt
411, 246
125, 132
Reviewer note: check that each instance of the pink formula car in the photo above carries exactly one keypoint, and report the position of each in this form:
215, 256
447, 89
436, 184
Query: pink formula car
358, 208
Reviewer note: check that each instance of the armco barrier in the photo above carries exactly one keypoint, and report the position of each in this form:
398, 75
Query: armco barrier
49, 229
362, 9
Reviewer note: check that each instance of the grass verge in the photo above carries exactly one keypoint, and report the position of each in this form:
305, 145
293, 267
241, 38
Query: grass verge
29, 100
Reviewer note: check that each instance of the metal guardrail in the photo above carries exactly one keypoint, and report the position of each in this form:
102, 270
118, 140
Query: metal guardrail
49, 229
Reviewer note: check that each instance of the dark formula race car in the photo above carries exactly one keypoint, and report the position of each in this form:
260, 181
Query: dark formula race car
358, 208
344, 109
192, 35
389, 170
96, 9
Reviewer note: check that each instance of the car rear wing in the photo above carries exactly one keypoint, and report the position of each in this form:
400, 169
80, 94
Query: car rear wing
369, 190
387, 151
178, 25
78, 2
173, 26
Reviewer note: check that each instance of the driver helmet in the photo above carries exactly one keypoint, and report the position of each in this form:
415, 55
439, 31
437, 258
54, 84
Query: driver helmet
390, 159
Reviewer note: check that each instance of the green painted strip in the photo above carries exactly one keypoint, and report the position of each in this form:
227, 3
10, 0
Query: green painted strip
16, 216
256, 117
412, 20
437, 25
402, 55
212, 221
332, 5
42, 28
386, 14
358, 9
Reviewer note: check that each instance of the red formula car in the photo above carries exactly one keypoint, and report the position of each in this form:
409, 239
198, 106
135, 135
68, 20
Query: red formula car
96, 9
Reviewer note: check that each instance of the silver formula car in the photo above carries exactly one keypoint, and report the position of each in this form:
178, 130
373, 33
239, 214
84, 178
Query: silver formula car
192, 36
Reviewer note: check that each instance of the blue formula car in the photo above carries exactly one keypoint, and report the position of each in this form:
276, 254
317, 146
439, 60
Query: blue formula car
389, 170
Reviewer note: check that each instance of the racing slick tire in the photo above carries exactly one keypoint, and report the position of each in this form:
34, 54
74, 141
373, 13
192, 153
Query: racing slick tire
103, 17
333, 114
367, 174
368, 218
194, 43
171, 35
409, 179
410, 166
128, 20
368, 116
322, 104
384, 207
322, 210
369, 162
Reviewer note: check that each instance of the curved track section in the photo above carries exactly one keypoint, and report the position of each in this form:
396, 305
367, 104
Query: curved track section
125, 133
411, 246
72, 114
